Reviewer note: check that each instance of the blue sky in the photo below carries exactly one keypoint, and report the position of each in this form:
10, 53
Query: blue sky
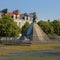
45, 9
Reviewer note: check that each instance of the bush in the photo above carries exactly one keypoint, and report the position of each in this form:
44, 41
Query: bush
26, 25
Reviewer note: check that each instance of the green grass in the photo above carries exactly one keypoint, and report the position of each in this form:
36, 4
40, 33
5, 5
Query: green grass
5, 49
33, 57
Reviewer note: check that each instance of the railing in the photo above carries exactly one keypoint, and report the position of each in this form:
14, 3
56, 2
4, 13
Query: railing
15, 40
8, 40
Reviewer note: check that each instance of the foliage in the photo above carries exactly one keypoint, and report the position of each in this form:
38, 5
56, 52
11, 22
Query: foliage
5, 11
26, 25
56, 25
46, 26
51, 34
51, 28
8, 27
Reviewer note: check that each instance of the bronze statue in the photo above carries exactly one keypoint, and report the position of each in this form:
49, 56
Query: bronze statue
34, 17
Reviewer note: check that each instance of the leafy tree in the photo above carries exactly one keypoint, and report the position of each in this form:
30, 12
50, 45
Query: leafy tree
46, 26
8, 27
26, 25
56, 25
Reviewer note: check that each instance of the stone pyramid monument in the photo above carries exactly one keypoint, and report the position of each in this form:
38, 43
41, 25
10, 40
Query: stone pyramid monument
34, 34
38, 35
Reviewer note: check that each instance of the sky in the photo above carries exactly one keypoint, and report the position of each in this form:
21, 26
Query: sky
45, 9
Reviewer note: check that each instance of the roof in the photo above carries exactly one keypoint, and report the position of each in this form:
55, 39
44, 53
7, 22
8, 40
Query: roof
16, 12
11, 13
1, 12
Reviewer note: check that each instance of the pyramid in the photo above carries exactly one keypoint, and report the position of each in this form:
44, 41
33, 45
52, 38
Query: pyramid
34, 35
38, 35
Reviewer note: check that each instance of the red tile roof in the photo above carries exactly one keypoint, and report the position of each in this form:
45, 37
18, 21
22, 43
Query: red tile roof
11, 13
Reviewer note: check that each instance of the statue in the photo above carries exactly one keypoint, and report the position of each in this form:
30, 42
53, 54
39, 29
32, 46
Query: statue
34, 17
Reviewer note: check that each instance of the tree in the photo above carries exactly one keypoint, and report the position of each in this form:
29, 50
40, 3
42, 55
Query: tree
5, 11
8, 27
46, 26
26, 25
56, 25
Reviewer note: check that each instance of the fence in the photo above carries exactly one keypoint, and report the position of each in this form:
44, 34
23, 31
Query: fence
15, 40
9, 40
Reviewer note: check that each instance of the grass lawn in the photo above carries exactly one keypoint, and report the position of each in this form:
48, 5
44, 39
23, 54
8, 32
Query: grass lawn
6, 49
33, 57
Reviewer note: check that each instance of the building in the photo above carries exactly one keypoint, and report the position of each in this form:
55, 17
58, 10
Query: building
19, 18
0, 14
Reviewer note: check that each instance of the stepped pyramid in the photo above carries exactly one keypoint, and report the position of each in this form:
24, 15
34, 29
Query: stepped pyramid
34, 35
38, 35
